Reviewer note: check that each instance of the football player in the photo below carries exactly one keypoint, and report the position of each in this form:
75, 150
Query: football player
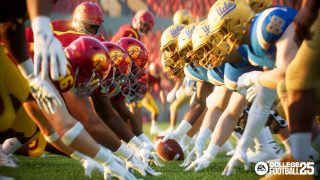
142, 23
215, 23
91, 13
12, 34
299, 89
179, 95
175, 67
183, 17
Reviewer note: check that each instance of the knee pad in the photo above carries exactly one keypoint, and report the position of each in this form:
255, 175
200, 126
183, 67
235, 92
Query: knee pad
72, 134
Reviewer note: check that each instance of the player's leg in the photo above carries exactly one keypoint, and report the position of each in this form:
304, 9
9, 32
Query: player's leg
195, 110
180, 100
103, 107
302, 101
149, 103
127, 115
228, 119
91, 121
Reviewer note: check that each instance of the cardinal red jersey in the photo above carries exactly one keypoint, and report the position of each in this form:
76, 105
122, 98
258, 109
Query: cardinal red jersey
126, 31
63, 31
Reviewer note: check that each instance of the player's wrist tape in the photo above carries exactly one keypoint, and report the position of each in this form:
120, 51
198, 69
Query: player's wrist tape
72, 134
186, 140
77, 156
145, 139
104, 156
203, 136
135, 143
52, 137
124, 152
182, 129
212, 151
26, 68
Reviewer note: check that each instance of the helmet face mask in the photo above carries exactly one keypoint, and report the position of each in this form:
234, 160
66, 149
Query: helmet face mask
229, 19
144, 27
88, 18
185, 53
136, 85
143, 21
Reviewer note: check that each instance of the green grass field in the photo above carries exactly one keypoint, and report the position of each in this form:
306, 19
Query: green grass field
59, 167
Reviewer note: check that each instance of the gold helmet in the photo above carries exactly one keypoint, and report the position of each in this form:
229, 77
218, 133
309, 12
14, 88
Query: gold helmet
259, 5
169, 44
230, 19
174, 73
200, 40
183, 17
208, 49
184, 42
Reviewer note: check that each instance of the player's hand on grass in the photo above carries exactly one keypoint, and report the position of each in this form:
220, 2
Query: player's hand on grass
48, 50
240, 156
134, 163
201, 163
205, 160
190, 157
114, 169
152, 172
154, 159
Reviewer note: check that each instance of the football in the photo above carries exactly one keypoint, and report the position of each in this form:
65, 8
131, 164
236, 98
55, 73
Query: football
169, 150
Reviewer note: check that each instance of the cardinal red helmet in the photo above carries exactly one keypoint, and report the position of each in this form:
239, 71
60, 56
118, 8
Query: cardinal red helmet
90, 61
143, 21
88, 18
121, 67
136, 50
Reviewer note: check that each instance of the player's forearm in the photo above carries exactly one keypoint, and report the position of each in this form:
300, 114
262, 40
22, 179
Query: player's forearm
271, 78
312, 5
39, 8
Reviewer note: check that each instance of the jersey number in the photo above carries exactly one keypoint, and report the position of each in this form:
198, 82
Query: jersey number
275, 25
67, 81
